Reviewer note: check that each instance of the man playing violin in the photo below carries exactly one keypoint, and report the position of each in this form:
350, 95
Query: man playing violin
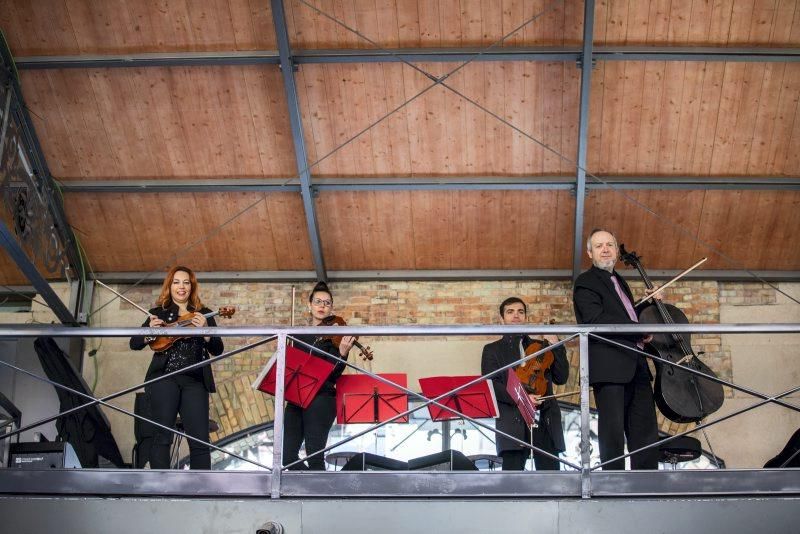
620, 377
548, 435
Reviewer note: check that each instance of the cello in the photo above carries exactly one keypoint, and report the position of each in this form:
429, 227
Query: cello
681, 396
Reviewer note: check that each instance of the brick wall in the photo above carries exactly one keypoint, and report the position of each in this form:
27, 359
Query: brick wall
237, 407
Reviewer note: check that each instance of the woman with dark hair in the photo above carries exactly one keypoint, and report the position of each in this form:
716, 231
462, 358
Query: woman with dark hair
184, 393
312, 424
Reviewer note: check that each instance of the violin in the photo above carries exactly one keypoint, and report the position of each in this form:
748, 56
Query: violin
162, 343
531, 373
335, 320
681, 396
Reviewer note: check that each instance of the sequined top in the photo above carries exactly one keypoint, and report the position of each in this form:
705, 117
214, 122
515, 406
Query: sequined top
183, 353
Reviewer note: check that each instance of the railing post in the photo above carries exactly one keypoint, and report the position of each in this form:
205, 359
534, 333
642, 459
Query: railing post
586, 481
277, 427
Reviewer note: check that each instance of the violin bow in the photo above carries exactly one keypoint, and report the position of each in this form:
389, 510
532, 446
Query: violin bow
123, 297
665, 286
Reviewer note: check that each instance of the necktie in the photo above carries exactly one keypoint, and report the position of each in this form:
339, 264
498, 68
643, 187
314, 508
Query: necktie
627, 303
625, 300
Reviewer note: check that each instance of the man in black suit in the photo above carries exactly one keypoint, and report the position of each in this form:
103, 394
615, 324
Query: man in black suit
620, 378
549, 435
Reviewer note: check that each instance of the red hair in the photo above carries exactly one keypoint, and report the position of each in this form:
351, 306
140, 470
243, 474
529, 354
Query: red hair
165, 298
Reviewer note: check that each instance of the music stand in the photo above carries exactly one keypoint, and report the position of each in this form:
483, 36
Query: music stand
364, 399
304, 377
476, 401
520, 396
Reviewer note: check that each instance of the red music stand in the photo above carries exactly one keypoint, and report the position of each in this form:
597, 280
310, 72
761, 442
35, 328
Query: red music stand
364, 399
305, 375
521, 398
476, 401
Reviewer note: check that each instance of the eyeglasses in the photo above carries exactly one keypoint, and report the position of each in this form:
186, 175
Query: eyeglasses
320, 302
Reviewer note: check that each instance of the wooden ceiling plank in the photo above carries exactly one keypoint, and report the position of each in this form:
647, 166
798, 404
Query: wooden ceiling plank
746, 118
766, 119
617, 22
408, 28
762, 22
781, 144
289, 231
397, 124
470, 82
356, 99
654, 81
570, 103
497, 133
674, 83
700, 22
707, 118
471, 22
431, 217
252, 25
638, 23
730, 99
720, 26
690, 110
785, 13
631, 117
680, 16
553, 119
595, 130
658, 22
317, 123
51, 125
340, 229
611, 126
601, 13
386, 236
517, 111
741, 18
105, 26
174, 155
113, 94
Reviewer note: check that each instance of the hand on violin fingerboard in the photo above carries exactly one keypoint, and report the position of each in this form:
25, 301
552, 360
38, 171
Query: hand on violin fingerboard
346, 345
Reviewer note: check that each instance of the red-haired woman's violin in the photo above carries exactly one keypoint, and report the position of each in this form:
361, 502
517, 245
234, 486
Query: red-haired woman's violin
162, 343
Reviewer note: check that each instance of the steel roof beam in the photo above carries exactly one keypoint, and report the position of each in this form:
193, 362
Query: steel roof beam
423, 183
430, 55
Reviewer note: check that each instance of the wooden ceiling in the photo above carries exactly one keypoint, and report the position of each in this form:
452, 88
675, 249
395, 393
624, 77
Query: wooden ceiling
701, 119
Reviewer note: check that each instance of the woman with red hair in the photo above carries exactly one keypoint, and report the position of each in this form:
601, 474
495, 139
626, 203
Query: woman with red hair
183, 393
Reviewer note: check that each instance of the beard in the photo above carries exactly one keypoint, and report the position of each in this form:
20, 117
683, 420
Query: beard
606, 265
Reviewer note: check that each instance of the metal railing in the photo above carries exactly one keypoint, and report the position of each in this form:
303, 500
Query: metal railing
583, 333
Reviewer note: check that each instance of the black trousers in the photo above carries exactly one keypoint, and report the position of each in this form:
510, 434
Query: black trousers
627, 411
311, 425
187, 396
514, 460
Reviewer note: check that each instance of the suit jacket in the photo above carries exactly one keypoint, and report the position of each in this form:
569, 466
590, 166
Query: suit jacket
503, 352
169, 315
596, 301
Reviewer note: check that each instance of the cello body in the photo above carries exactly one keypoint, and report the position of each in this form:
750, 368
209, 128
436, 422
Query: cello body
681, 396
